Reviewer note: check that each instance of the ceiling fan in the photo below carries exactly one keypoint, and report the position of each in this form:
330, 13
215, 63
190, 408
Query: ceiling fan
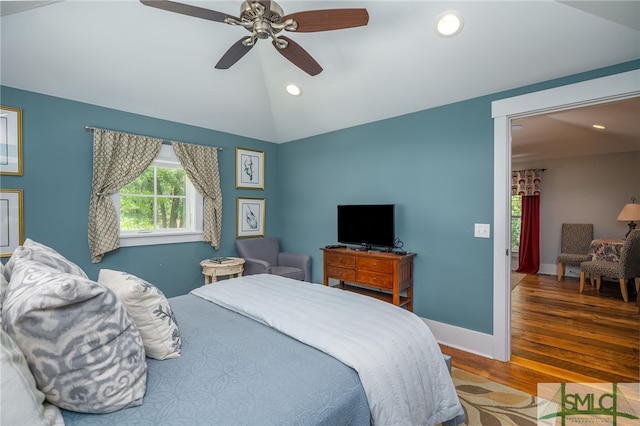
265, 19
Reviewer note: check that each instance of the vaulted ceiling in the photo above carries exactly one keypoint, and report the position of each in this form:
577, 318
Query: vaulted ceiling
127, 56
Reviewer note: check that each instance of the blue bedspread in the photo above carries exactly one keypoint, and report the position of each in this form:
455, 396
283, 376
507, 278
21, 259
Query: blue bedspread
236, 371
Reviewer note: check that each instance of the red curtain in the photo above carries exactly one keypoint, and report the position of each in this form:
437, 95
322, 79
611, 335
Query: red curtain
529, 252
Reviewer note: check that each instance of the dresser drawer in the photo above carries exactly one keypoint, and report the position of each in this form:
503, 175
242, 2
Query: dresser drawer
341, 259
383, 266
342, 274
375, 279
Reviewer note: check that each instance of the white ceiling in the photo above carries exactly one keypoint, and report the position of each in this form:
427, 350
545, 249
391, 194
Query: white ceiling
127, 56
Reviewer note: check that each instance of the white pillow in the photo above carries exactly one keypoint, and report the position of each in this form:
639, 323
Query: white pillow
22, 403
150, 310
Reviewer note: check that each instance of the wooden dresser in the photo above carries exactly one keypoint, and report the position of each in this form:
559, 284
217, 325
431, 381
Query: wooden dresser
386, 276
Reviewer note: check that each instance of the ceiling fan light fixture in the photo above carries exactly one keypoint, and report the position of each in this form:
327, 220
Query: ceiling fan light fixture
449, 24
293, 89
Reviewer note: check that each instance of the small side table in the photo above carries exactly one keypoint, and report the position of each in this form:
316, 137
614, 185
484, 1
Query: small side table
231, 266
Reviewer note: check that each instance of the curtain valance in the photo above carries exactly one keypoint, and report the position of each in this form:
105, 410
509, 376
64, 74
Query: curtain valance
526, 182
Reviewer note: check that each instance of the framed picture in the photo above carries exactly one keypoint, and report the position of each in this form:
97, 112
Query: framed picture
10, 141
249, 169
250, 220
11, 218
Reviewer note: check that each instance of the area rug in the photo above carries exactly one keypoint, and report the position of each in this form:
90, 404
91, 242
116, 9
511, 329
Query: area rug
516, 277
489, 403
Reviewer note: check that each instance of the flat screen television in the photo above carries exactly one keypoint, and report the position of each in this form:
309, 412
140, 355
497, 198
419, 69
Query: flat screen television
367, 225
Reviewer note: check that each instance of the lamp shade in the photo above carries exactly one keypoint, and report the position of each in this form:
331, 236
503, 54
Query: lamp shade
630, 212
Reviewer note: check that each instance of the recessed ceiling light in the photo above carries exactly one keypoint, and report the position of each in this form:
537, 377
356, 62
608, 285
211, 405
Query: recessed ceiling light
293, 89
449, 24
598, 126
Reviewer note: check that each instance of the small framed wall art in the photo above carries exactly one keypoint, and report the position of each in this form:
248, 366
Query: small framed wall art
249, 169
250, 219
11, 221
10, 141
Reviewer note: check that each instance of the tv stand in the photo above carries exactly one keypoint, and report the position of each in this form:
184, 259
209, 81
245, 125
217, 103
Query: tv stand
385, 276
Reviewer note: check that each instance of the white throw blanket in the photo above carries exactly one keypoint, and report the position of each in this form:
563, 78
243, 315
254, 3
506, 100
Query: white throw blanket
395, 354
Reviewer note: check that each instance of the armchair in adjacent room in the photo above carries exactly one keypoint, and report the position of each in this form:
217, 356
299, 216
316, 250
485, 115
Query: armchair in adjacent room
574, 245
627, 268
263, 256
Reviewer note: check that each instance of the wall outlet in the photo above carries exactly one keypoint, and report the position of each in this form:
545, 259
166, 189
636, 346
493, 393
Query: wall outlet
482, 230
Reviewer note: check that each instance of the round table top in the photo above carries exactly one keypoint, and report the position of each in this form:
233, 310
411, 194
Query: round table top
222, 262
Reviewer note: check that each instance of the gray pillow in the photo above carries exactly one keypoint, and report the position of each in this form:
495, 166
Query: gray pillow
31, 250
81, 344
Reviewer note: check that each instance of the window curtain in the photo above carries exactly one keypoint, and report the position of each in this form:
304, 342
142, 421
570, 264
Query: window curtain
118, 159
201, 165
527, 184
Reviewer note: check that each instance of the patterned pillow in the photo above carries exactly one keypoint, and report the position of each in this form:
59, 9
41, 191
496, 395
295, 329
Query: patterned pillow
150, 310
48, 256
4, 285
22, 403
81, 344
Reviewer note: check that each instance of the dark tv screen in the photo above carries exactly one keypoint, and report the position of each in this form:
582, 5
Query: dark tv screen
367, 224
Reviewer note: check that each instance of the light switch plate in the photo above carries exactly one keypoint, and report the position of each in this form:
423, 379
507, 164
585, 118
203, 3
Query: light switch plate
482, 230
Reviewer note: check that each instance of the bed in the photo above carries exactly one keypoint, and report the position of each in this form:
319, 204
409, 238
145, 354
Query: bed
267, 350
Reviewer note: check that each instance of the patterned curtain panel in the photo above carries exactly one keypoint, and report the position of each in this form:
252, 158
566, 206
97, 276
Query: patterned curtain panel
201, 165
118, 159
526, 182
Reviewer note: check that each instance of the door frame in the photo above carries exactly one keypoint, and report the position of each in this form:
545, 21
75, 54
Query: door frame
600, 90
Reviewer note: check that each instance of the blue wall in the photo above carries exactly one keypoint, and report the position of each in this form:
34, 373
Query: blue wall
435, 165
57, 181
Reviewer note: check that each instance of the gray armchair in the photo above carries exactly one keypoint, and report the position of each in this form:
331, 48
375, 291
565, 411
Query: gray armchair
627, 268
574, 245
263, 256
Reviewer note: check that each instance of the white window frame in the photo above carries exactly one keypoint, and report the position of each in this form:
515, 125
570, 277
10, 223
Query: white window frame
166, 158
512, 217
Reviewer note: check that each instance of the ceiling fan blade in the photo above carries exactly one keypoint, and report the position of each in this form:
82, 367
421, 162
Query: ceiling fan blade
328, 19
233, 55
186, 9
299, 57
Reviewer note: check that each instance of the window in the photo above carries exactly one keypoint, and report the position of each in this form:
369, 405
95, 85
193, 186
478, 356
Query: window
516, 220
161, 206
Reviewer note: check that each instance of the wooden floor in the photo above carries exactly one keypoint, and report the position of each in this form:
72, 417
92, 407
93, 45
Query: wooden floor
559, 335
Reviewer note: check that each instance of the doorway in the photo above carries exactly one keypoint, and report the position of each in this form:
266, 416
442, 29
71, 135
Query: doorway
591, 92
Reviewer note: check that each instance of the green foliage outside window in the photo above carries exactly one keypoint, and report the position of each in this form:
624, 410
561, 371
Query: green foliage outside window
160, 194
516, 219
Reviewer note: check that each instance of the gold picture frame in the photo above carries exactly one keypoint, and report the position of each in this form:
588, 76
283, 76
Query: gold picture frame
11, 221
249, 169
250, 217
10, 141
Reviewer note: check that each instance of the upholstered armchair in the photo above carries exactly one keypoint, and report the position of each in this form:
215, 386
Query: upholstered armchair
574, 245
627, 268
263, 256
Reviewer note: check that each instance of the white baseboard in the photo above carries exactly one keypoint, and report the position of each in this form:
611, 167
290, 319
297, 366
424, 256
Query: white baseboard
462, 338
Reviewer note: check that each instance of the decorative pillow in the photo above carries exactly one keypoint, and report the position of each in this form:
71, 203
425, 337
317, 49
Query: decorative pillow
150, 310
22, 403
4, 285
31, 250
81, 344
